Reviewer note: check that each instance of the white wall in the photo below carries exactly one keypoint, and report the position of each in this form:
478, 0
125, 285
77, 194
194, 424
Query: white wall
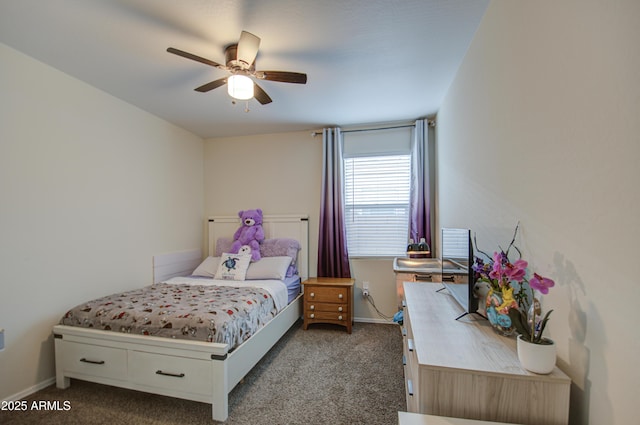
281, 173
541, 126
91, 188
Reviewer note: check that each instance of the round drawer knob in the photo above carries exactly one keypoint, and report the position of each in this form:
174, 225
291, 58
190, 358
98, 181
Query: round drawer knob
312, 315
340, 309
312, 295
312, 307
340, 296
340, 317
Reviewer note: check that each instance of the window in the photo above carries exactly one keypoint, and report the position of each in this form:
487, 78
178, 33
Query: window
377, 205
377, 181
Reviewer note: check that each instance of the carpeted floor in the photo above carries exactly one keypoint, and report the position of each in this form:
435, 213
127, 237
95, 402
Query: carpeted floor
319, 376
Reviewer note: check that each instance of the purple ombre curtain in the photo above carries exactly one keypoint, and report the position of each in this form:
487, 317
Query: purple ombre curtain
420, 213
333, 258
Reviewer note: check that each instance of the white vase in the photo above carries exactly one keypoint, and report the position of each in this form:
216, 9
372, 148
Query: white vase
537, 358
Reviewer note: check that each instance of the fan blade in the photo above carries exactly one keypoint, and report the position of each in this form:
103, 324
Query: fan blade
195, 58
248, 47
212, 85
282, 76
260, 95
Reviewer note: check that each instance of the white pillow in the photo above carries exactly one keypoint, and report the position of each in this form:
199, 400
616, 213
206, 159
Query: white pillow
233, 266
208, 267
268, 268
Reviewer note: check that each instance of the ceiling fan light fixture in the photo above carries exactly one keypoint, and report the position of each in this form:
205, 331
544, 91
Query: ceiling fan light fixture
240, 87
240, 63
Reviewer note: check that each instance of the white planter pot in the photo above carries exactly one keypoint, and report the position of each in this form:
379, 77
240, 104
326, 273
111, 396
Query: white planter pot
537, 358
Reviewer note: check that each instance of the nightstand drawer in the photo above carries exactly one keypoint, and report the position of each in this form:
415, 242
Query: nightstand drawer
326, 294
327, 315
334, 308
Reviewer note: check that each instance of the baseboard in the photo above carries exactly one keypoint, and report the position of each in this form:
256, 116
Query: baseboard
24, 393
370, 320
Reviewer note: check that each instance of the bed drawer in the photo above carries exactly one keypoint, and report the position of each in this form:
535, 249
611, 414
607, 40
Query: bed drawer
178, 373
94, 360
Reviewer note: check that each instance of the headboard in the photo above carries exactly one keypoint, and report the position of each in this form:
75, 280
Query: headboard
182, 263
274, 226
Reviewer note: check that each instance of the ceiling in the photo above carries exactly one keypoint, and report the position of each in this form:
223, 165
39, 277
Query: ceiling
367, 61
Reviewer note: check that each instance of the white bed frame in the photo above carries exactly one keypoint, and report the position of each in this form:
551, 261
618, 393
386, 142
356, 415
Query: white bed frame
199, 371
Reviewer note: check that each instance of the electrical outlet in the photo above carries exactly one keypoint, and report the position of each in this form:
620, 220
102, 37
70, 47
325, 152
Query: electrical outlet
365, 289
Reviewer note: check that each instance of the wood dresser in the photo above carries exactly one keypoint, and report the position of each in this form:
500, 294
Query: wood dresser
463, 369
406, 418
328, 300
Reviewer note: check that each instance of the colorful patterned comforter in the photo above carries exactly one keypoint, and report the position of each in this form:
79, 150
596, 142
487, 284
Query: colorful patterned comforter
222, 314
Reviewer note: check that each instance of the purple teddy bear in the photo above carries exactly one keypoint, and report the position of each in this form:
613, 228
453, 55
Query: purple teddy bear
249, 234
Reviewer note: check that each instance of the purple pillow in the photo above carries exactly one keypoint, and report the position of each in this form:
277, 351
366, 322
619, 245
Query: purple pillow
223, 245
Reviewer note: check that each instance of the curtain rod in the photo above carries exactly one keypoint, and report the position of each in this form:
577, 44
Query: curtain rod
430, 123
377, 128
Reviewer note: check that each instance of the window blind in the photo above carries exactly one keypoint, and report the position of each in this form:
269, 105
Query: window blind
377, 192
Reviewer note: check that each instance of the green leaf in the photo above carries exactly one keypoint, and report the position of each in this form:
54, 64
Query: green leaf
538, 337
519, 320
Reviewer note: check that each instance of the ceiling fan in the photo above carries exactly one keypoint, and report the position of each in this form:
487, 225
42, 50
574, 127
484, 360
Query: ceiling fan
240, 62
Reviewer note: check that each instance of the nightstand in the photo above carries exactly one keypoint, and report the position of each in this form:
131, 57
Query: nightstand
328, 300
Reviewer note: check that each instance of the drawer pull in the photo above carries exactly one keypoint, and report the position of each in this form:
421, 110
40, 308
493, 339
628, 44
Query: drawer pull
312, 295
404, 360
312, 307
175, 375
312, 315
404, 331
340, 309
410, 344
340, 296
340, 317
83, 360
410, 387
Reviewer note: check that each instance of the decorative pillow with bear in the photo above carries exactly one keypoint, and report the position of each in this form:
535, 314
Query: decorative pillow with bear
233, 266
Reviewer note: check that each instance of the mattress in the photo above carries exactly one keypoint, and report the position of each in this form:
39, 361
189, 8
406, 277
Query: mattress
192, 308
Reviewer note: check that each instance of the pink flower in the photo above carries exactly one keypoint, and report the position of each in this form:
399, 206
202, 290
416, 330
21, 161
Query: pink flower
517, 270
504, 270
496, 271
540, 283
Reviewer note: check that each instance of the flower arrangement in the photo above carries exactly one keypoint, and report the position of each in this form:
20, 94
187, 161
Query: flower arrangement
508, 278
529, 324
